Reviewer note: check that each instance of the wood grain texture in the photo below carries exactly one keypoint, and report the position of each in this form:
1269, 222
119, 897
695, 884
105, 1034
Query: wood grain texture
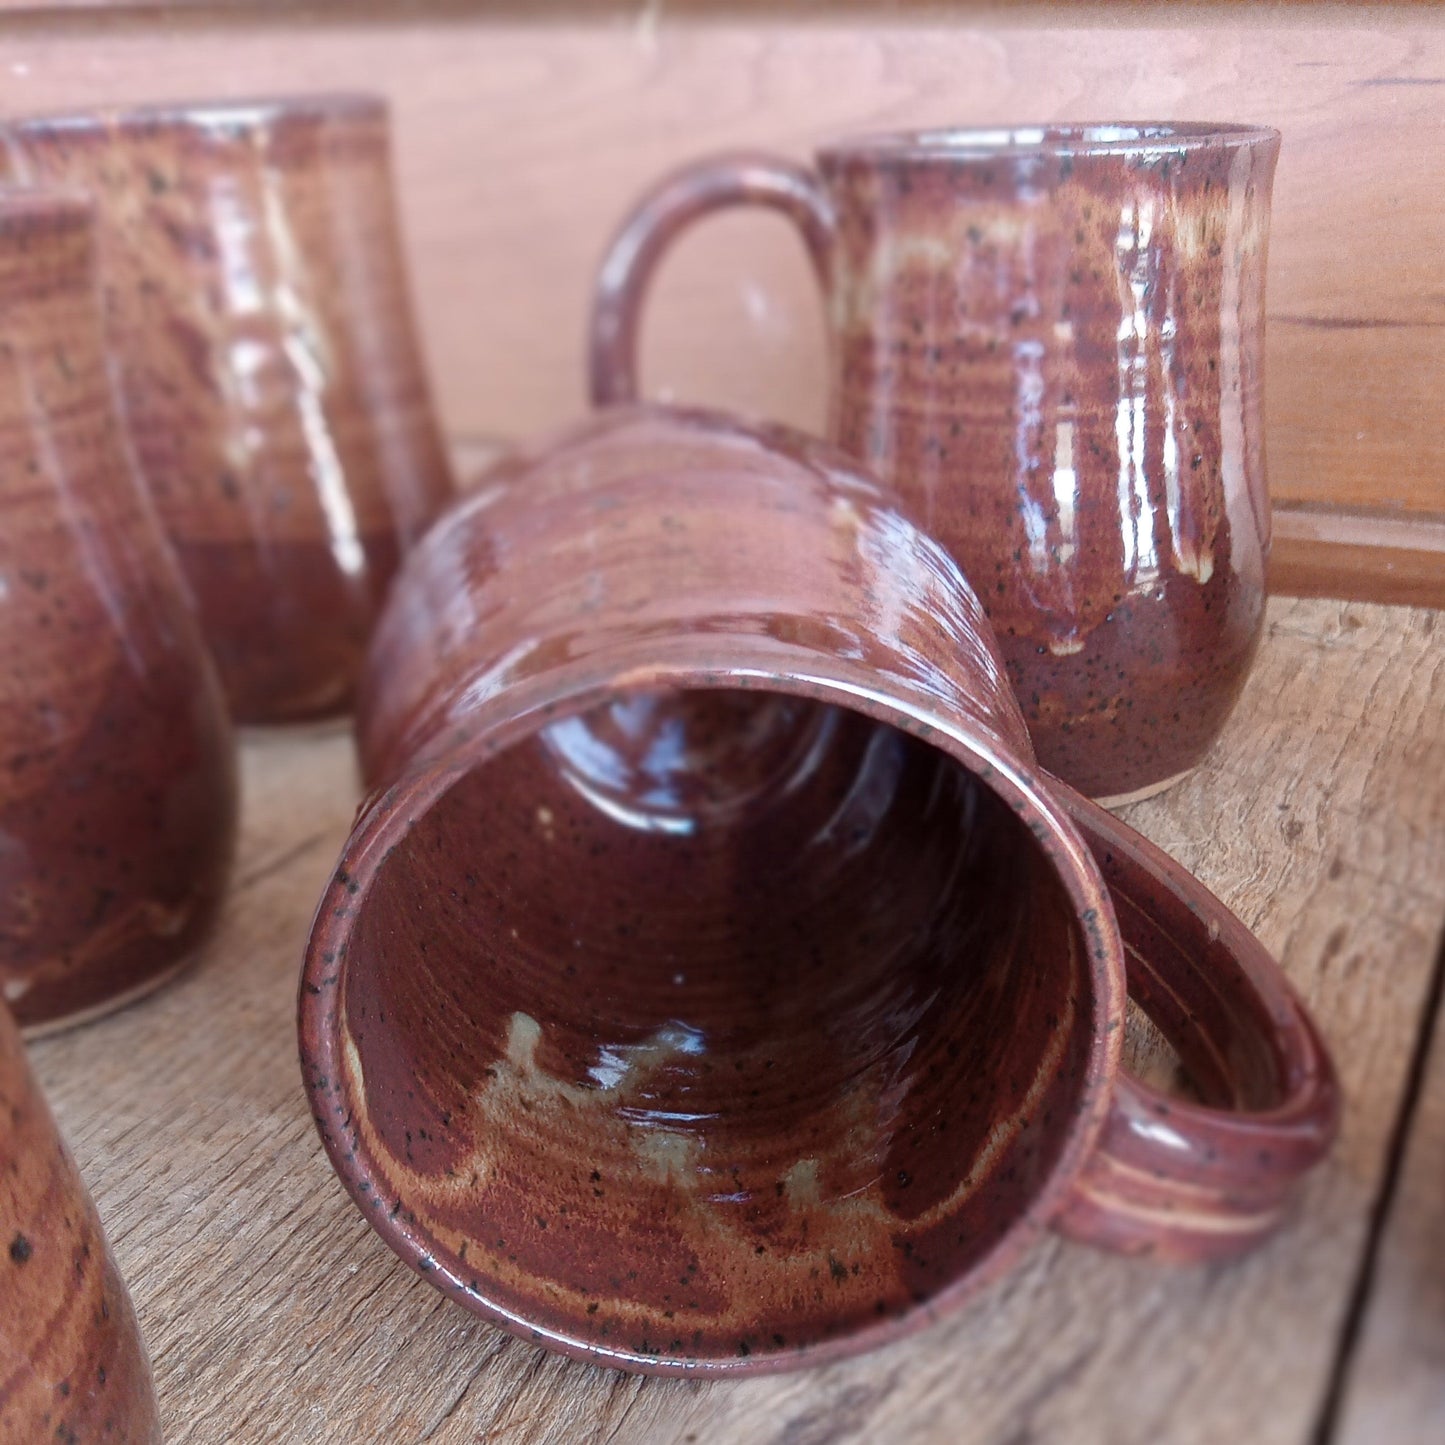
1370, 556
521, 139
274, 1315
1395, 1387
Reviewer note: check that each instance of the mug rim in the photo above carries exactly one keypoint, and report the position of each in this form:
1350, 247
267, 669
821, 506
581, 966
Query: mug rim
212, 113
388, 814
1048, 138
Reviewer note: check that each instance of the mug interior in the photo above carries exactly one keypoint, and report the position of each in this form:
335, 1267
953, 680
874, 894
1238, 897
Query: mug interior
703, 1030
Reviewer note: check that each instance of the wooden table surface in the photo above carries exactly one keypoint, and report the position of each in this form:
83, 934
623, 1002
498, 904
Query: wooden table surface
274, 1314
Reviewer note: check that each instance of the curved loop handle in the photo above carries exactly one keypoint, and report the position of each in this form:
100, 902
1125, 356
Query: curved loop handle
1197, 1181
659, 217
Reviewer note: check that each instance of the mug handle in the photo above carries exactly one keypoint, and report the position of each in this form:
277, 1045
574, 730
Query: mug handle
659, 216
1190, 1181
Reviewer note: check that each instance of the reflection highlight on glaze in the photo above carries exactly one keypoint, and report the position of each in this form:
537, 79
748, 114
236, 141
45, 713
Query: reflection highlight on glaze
303, 342
676, 764
1131, 416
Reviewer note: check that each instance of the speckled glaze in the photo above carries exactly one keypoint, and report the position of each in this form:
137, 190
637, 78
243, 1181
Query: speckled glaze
711, 983
1189, 1181
258, 312
72, 1364
1049, 340
117, 775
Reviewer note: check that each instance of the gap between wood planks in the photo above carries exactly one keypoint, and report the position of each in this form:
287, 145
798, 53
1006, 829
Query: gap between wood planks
1327, 1423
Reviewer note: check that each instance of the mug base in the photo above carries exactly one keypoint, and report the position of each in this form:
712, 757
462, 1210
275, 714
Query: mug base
1149, 790
95, 1011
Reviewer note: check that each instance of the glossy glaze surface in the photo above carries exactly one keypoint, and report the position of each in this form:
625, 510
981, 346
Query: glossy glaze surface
715, 1029
72, 1364
710, 983
1177, 1179
257, 306
117, 782
1049, 341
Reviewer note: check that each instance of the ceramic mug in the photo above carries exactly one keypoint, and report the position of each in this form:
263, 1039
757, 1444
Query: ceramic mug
72, 1363
1049, 341
711, 982
257, 306
117, 772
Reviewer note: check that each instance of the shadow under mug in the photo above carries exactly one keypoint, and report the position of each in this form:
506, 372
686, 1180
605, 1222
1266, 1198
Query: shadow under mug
259, 318
1049, 341
711, 983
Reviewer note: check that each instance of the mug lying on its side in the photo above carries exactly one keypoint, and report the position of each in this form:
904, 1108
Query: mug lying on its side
712, 982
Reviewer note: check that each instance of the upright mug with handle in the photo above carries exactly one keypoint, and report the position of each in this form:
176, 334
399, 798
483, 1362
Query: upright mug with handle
1048, 340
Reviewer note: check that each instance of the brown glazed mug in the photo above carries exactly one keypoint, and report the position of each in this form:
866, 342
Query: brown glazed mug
711, 982
72, 1363
257, 306
1049, 341
117, 769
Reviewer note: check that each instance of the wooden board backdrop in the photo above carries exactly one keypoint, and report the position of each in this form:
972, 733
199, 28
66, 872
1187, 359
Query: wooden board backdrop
522, 133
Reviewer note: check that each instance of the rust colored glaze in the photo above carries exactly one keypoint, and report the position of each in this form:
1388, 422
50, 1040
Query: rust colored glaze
1049, 341
72, 1364
117, 774
711, 984
258, 311
1180, 1180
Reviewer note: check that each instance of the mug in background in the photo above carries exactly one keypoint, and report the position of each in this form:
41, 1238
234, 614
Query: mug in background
258, 315
1049, 341
117, 769
711, 983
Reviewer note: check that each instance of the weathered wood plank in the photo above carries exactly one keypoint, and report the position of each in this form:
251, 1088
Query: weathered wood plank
275, 1316
1394, 1387
1368, 556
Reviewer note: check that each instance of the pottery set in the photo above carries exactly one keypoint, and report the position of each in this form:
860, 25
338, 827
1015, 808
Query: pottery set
727, 970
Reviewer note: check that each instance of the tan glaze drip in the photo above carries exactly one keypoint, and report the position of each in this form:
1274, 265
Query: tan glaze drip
1049, 341
711, 983
257, 307
72, 1364
117, 775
